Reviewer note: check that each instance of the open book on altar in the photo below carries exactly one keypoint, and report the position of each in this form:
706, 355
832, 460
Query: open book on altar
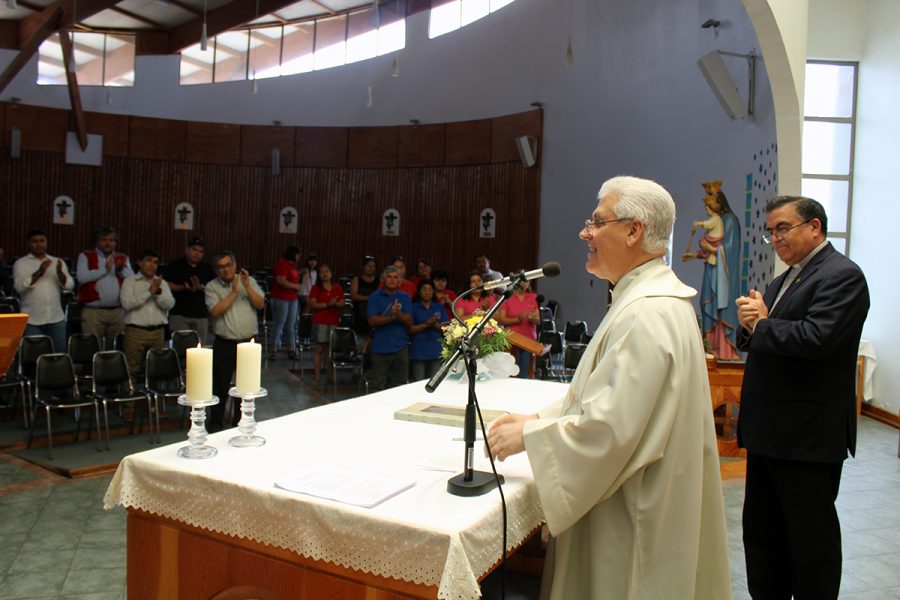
343, 486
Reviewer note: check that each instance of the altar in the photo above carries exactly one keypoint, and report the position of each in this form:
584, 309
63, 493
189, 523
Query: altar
197, 528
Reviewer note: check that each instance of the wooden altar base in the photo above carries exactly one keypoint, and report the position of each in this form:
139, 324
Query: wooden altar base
170, 560
725, 379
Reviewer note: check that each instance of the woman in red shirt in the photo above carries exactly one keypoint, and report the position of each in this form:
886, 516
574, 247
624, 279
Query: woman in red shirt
520, 314
478, 300
325, 299
283, 296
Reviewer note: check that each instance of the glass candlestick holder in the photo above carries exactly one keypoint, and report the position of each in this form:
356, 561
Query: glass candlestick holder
247, 424
197, 433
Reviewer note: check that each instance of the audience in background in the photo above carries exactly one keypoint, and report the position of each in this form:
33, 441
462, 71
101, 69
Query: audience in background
284, 297
100, 273
187, 277
423, 271
406, 286
325, 299
361, 288
232, 300
442, 293
40, 280
389, 315
483, 267
308, 276
146, 298
428, 316
520, 314
477, 300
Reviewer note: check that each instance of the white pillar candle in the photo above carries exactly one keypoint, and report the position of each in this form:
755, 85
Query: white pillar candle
249, 360
198, 375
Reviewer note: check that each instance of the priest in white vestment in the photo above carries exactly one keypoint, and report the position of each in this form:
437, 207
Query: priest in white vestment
626, 464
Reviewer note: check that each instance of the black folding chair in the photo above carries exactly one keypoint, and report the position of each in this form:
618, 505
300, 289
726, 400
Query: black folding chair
112, 384
56, 388
31, 348
82, 348
344, 353
162, 378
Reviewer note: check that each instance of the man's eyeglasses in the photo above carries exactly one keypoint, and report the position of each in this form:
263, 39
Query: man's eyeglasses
781, 231
592, 224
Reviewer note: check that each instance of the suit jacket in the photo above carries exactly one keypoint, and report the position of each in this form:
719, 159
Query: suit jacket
798, 397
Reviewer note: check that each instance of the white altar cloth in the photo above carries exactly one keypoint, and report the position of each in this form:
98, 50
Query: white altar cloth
423, 535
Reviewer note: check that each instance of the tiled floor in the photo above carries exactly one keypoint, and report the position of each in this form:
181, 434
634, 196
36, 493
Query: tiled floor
58, 542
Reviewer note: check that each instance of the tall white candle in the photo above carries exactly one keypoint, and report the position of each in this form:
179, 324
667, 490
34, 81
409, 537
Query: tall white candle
198, 375
249, 360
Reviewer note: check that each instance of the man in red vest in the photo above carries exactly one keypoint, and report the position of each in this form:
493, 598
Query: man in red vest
101, 272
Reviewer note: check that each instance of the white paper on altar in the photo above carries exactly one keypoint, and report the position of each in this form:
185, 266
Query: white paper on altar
343, 486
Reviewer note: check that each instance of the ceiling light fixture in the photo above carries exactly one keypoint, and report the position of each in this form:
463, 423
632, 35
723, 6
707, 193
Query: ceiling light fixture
395, 68
11, 4
369, 101
204, 39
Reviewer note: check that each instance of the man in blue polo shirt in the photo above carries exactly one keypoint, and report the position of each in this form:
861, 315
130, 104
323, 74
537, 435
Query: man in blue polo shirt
390, 313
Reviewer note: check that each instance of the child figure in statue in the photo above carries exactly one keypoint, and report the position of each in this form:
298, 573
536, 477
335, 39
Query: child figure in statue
720, 250
715, 231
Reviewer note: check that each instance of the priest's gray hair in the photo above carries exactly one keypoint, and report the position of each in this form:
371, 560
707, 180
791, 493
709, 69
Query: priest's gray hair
645, 201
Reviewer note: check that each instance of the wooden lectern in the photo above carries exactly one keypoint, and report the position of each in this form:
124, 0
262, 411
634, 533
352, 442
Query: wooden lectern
533, 347
11, 329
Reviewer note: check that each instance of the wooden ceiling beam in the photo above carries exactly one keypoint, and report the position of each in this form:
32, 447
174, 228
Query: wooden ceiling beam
73, 11
65, 39
222, 19
139, 18
40, 31
323, 7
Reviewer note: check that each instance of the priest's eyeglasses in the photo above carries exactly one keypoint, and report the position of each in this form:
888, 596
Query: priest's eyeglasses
781, 231
592, 224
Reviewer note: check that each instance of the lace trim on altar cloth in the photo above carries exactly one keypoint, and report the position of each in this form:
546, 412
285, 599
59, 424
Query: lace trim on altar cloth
343, 535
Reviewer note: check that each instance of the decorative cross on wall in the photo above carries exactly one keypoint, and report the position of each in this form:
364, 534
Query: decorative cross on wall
63, 207
183, 213
390, 218
486, 219
288, 217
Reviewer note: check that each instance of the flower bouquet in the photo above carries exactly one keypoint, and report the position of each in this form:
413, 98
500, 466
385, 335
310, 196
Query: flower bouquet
492, 358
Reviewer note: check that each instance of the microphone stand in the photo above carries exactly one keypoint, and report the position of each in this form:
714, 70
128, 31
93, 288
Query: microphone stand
471, 482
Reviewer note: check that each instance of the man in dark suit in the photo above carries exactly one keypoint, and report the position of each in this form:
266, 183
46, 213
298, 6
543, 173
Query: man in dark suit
798, 408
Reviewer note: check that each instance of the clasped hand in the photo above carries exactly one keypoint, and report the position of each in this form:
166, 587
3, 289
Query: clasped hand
751, 310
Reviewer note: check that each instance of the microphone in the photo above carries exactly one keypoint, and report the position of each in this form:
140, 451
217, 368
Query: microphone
550, 269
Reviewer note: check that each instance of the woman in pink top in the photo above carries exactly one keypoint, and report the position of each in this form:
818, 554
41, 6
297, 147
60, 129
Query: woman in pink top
478, 300
520, 314
325, 299
283, 297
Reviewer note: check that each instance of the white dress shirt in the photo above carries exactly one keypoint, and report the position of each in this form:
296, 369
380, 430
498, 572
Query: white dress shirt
41, 301
143, 308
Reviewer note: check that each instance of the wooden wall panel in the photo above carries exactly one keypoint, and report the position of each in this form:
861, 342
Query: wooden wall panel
421, 145
213, 143
373, 147
159, 139
257, 143
42, 128
113, 128
506, 129
321, 147
469, 143
237, 206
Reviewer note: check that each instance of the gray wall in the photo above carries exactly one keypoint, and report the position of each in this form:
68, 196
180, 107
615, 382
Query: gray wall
634, 103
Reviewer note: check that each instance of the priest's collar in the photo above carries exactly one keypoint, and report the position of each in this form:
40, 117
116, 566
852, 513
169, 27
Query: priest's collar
633, 275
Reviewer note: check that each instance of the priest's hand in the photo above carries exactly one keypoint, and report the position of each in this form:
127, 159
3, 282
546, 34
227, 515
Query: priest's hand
505, 436
751, 310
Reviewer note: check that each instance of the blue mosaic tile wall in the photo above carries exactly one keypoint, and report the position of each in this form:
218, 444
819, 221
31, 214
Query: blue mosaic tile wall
758, 259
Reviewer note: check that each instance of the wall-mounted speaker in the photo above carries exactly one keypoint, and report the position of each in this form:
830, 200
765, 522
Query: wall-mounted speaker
15, 143
527, 146
276, 161
722, 85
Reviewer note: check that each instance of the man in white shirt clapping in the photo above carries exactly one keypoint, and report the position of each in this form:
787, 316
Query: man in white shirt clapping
40, 280
146, 298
